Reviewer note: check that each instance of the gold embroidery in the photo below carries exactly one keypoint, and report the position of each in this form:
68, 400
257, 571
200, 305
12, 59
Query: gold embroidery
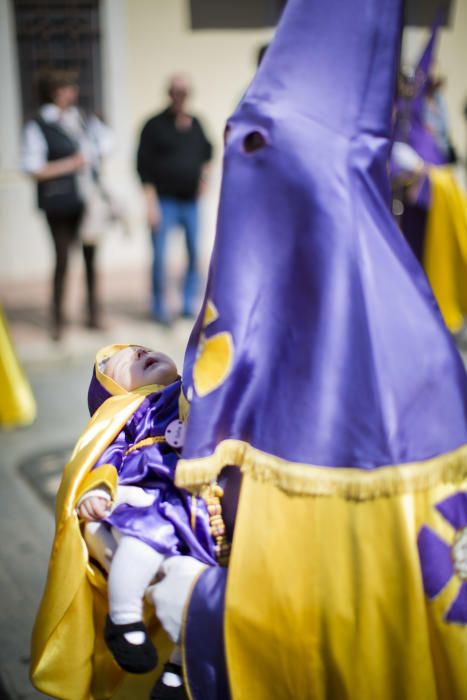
211, 494
215, 356
144, 443
210, 314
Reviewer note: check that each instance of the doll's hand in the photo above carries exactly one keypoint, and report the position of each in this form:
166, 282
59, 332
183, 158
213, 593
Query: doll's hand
94, 508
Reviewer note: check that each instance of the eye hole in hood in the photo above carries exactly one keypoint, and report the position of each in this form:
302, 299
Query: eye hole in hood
253, 142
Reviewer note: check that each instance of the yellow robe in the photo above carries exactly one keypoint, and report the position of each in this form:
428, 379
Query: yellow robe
445, 253
69, 657
325, 598
17, 405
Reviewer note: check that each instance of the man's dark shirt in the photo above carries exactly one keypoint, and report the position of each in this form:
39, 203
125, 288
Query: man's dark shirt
171, 159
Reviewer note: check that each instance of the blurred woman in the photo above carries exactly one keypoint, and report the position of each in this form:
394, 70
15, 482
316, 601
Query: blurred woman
62, 149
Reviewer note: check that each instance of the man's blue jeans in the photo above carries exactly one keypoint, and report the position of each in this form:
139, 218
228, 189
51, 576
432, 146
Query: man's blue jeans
184, 213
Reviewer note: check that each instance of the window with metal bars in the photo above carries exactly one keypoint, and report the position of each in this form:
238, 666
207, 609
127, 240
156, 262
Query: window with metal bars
59, 34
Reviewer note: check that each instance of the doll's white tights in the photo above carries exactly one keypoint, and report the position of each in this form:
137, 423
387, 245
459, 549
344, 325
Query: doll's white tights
132, 565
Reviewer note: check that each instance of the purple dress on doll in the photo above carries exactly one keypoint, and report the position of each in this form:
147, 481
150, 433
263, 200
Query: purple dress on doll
177, 522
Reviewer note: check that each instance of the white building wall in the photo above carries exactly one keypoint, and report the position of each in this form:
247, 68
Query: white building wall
23, 240
144, 42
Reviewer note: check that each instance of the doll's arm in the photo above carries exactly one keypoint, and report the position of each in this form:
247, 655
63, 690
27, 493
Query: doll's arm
100, 495
98, 490
94, 505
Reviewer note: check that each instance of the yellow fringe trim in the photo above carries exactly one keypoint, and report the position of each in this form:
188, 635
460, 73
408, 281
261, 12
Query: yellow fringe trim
347, 482
145, 443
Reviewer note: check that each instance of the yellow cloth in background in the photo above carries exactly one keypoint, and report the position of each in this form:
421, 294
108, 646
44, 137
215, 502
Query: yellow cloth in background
325, 597
69, 657
445, 253
17, 405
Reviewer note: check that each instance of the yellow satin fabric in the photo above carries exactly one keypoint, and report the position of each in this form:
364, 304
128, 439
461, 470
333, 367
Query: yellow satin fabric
445, 256
69, 658
17, 404
325, 599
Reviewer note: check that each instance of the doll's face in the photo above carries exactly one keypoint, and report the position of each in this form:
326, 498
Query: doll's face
135, 366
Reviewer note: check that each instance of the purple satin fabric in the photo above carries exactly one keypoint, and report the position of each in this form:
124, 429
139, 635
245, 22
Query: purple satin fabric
97, 394
340, 354
341, 357
411, 128
424, 143
167, 524
204, 638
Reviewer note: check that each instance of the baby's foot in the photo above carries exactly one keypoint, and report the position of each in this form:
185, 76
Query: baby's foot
170, 685
131, 646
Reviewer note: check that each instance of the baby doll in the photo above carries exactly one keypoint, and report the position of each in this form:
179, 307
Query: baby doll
148, 519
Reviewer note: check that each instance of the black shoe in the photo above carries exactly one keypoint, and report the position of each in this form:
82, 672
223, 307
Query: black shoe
134, 658
167, 692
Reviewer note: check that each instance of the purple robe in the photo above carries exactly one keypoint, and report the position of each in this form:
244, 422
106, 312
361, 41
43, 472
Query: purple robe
177, 522
336, 354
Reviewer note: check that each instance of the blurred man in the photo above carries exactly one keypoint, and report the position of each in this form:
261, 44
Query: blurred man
173, 155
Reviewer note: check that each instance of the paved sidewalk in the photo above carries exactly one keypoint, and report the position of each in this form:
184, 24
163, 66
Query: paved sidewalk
31, 459
125, 317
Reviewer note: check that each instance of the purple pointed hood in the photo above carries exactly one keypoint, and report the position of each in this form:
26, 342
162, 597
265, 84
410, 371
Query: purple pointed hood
411, 127
425, 62
320, 342
318, 66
